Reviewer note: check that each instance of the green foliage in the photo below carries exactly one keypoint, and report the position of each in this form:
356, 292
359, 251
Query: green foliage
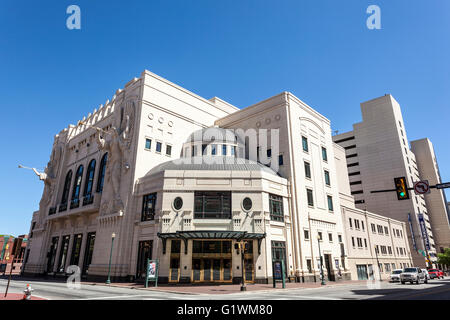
444, 258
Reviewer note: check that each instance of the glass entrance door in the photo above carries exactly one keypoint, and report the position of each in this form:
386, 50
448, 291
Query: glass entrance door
248, 267
144, 253
206, 269
217, 270
52, 254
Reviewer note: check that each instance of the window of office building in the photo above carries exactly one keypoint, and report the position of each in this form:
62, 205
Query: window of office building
148, 144
309, 195
306, 234
330, 203
307, 170
324, 154
327, 178
305, 144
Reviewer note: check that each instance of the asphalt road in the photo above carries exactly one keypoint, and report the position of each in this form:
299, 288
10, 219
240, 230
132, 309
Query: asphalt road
434, 290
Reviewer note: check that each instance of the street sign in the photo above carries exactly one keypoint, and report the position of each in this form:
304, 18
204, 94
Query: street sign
422, 187
443, 185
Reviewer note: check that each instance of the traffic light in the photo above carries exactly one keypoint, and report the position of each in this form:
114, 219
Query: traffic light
401, 188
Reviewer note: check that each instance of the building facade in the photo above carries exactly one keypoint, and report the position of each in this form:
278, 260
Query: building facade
377, 151
7, 255
161, 173
376, 244
436, 201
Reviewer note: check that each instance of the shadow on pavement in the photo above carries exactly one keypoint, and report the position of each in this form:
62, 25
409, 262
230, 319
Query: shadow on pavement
406, 292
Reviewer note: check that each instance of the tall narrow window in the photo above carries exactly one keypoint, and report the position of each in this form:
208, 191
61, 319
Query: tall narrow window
101, 173
148, 207
75, 203
330, 203
89, 183
276, 208
305, 143
148, 144
224, 149
168, 150
327, 178
65, 195
324, 154
158, 146
309, 194
233, 150
213, 149
307, 170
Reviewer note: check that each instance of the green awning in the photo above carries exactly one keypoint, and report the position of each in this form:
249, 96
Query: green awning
211, 234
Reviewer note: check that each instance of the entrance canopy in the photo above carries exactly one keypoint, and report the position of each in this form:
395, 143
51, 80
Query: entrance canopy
211, 234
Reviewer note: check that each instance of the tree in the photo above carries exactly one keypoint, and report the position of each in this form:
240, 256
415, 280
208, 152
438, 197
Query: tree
444, 258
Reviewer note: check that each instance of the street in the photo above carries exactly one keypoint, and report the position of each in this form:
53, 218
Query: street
434, 290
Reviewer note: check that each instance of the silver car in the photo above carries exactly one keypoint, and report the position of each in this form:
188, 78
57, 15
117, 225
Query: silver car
413, 275
395, 275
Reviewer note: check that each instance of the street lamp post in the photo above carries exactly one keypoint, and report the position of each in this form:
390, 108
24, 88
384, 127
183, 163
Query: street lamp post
378, 263
110, 257
242, 245
321, 265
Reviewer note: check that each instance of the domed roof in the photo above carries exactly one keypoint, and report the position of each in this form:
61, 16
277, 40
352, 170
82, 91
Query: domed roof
219, 163
214, 134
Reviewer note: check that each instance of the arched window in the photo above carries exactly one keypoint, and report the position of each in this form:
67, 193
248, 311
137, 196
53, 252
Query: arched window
76, 188
65, 195
101, 172
89, 179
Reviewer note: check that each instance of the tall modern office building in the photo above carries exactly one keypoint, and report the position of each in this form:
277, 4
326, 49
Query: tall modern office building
436, 201
377, 151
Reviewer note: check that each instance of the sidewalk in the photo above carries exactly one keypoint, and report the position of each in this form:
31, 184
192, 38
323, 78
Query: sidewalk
16, 296
224, 288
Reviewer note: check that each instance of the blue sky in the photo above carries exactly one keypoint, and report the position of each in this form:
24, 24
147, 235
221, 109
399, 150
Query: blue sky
241, 51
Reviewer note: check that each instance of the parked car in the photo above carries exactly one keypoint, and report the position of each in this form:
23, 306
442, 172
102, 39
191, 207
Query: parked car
413, 275
395, 275
435, 273
426, 273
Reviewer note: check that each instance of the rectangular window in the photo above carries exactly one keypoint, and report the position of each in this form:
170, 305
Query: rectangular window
269, 153
309, 195
353, 164
350, 222
354, 173
327, 178
280, 160
356, 224
386, 231
213, 149
168, 150
373, 227
306, 234
148, 207
320, 235
330, 203
224, 149
353, 241
148, 144
204, 149
276, 208
362, 225
307, 170
305, 143
212, 205
233, 150
158, 146
324, 154
339, 238
330, 237
365, 242
309, 265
